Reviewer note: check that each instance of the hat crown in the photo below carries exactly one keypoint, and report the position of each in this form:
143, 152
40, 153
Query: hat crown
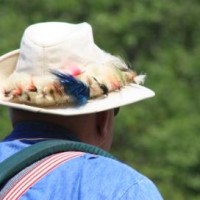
53, 33
52, 45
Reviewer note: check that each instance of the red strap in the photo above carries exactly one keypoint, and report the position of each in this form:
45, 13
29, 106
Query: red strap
43, 168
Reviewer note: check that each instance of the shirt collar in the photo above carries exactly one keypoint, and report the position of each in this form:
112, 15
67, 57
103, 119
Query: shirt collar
38, 129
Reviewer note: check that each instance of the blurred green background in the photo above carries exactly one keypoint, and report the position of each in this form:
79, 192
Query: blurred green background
159, 137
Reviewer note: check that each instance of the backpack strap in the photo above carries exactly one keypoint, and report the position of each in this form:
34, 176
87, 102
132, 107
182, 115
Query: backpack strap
21, 183
14, 164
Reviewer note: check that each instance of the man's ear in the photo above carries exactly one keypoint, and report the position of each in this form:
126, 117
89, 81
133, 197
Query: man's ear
104, 121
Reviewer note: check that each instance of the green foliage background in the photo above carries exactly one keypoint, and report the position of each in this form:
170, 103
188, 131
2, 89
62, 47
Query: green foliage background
161, 38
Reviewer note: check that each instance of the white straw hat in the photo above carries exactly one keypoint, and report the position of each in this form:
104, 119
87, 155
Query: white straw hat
60, 70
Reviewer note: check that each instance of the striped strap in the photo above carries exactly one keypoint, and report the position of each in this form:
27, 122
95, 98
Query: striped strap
31, 175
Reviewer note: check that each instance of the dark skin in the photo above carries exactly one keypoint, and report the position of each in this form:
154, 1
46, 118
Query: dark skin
95, 128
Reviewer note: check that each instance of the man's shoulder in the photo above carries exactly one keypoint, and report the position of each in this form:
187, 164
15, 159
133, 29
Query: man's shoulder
108, 177
93, 177
110, 167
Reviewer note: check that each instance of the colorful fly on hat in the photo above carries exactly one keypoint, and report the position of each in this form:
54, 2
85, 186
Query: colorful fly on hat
70, 85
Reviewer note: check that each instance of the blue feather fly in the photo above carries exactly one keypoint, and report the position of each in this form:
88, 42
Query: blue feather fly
74, 87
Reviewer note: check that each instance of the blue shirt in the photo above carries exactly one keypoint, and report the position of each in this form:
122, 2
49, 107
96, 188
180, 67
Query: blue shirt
86, 177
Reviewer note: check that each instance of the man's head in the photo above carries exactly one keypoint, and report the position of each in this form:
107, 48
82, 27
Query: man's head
61, 76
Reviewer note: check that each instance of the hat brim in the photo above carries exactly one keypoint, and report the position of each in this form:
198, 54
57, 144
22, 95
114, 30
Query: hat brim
127, 95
